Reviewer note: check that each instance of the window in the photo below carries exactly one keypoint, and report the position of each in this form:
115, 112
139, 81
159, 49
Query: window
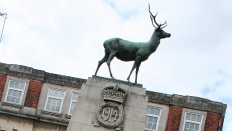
152, 120
73, 103
15, 91
54, 100
192, 122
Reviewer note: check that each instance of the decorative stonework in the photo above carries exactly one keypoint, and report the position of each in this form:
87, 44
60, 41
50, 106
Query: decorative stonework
115, 94
110, 112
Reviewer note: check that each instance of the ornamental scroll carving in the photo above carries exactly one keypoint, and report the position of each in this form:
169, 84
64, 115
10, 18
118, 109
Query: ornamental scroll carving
110, 112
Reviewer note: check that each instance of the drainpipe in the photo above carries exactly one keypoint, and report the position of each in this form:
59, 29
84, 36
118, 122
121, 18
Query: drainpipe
219, 124
58, 128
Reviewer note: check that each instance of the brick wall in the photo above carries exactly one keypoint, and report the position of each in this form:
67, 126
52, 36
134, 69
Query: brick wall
33, 94
174, 118
212, 121
2, 85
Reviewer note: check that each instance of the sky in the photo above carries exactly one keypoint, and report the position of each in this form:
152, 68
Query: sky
66, 37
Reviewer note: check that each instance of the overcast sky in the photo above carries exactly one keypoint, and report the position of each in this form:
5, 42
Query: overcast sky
66, 37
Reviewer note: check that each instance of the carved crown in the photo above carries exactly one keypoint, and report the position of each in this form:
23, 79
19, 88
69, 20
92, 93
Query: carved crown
115, 94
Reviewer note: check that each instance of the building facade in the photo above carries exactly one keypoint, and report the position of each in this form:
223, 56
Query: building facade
35, 100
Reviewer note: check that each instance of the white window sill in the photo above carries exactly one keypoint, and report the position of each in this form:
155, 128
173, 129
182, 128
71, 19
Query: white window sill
11, 104
68, 116
52, 113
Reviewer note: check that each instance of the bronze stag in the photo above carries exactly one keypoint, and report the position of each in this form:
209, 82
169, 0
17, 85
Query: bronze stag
133, 51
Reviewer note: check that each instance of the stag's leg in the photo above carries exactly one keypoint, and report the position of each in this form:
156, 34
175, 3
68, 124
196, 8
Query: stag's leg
111, 56
137, 70
137, 61
102, 61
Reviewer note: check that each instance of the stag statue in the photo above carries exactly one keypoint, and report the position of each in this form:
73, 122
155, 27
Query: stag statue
133, 51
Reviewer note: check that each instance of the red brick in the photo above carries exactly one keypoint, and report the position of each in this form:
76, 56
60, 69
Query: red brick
33, 94
174, 118
212, 121
2, 85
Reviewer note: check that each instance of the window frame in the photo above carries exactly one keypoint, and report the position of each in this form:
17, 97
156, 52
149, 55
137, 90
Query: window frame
187, 110
23, 91
71, 101
53, 97
190, 121
152, 115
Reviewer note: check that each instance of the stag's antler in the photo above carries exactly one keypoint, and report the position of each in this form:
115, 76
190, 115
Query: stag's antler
153, 19
165, 24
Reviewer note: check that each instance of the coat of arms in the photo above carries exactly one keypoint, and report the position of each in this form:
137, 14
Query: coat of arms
110, 112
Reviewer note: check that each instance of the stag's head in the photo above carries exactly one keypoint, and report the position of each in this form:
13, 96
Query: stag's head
159, 27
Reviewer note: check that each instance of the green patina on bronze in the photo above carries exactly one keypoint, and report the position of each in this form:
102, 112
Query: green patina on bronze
133, 51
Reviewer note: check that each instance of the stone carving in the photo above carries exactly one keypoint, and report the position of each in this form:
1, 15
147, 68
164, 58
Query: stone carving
133, 51
110, 112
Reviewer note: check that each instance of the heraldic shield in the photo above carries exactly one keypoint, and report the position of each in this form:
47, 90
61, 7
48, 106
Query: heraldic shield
110, 112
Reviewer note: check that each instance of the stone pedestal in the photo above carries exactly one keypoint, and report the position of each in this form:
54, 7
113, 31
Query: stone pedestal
91, 97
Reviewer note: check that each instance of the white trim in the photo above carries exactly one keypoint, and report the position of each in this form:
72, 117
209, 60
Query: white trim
190, 121
72, 102
62, 99
22, 90
158, 120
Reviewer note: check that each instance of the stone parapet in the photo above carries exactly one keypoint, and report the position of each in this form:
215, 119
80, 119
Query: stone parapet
40, 75
191, 102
